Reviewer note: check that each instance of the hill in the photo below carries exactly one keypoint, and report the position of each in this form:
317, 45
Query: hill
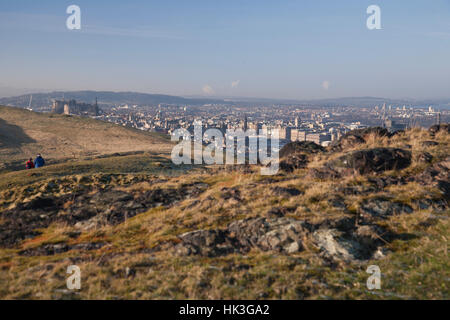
104, 97
23, 134
226, 232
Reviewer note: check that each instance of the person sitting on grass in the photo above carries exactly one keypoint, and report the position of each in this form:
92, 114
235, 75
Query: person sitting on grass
39, 161
29, 164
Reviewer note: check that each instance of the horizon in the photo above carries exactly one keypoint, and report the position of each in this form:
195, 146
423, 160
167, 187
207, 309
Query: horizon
31, 92
259, 50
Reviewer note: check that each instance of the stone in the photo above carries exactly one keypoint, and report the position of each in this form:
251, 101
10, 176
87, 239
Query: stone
374, 160
439, 128
241, 236
380, 208
358, 136
323, 173
286, 192
294, 155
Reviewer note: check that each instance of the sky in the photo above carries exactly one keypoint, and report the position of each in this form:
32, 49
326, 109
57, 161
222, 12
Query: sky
304, 49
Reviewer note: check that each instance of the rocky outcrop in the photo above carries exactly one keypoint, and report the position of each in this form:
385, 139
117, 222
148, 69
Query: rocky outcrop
279, 234
439, 128
86, 209
52, 249
437, 175
286, 192
346, 239
358, 136
380, 208
294, 155
307, 147
324, 173
374, 160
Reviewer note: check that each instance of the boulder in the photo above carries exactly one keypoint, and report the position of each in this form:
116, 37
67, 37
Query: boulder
439, 128
279, 234
380, 208
437, 175
295, 147
374, 160
358, 136
294, 155
323, 173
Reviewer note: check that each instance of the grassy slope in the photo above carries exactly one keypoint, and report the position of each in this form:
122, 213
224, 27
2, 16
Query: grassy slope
23, 134
417, 268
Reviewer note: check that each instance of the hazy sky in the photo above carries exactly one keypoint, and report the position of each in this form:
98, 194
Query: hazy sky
279, 49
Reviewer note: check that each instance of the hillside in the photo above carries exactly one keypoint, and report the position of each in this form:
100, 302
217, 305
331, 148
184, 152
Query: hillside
221, 232
23, 134
104, 97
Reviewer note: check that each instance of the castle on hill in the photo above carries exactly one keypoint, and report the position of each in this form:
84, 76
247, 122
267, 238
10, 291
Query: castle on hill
75, 108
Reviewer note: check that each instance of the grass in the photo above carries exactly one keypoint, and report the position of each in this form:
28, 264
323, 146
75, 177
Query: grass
23, 134
413, 268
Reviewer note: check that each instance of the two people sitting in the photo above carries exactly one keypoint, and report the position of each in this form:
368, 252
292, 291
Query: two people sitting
38, 162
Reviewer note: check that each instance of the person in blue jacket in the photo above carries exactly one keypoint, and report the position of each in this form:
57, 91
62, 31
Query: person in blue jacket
39, 161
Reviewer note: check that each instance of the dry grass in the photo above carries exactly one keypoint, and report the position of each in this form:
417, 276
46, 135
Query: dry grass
415, 268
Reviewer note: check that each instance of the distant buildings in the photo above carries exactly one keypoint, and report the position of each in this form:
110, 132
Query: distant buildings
392, 125
74, 107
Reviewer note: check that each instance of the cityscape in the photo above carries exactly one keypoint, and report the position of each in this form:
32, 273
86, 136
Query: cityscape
224, 159
318, 124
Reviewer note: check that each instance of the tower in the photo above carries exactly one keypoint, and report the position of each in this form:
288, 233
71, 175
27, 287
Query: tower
297, 121
96, 110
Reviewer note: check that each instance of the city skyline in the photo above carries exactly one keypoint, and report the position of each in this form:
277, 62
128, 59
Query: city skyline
259, 49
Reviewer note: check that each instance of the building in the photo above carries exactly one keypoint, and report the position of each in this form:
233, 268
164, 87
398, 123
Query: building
319, 138
393, 126
74, 107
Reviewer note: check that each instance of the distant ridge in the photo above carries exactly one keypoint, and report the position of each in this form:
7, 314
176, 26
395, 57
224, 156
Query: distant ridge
104, 97
41, 101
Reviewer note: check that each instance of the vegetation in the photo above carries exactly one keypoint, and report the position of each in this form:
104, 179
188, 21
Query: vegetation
136, 258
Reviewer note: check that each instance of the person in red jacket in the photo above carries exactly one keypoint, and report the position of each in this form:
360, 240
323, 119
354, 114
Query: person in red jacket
29, 164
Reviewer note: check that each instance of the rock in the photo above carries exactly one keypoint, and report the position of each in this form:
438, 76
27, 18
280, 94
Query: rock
324, 173
368, 236
437, 175
296, 147
380, 208
276, 212
439, 128
334, 247
293, 247
294, 155
382, 182
337, 202
231, 193
280, 234
358, 136
372, 161
204, 242
294, 162
52, 249
85, 208
286, 192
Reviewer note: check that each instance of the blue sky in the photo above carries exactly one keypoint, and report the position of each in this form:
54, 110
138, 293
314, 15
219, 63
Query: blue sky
277, 49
